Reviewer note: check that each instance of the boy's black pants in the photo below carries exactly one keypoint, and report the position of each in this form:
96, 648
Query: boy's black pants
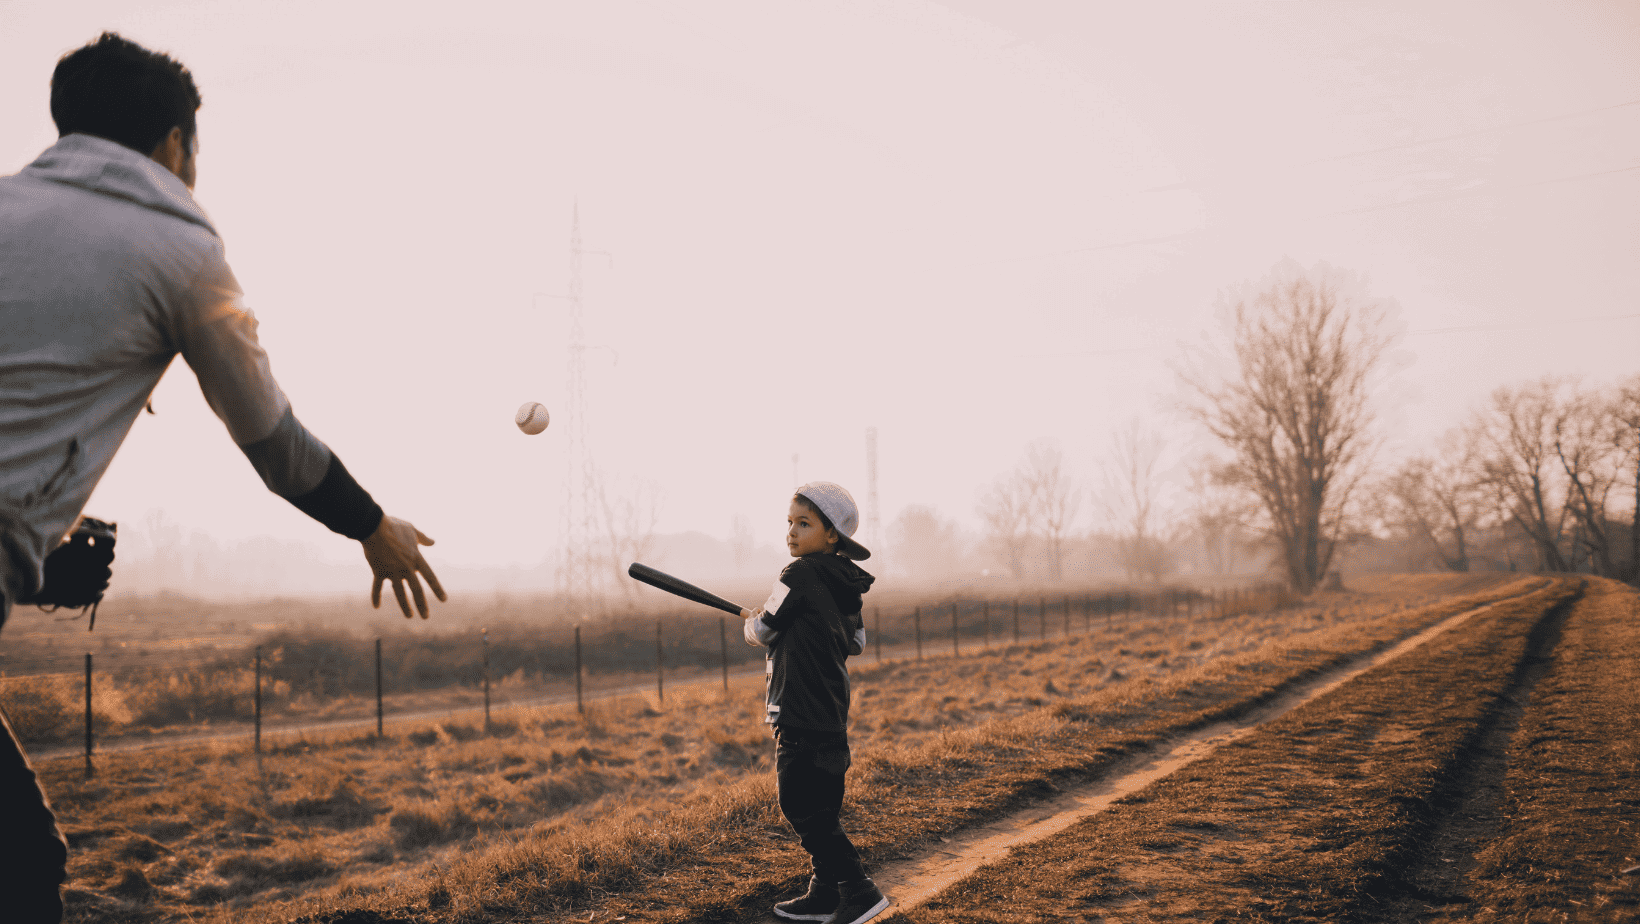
809, 768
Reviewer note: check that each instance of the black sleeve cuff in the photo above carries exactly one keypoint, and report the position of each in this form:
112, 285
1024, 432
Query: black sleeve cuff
341, 504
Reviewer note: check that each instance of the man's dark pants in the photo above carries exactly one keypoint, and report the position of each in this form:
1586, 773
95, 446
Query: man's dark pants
33, 853
809, 768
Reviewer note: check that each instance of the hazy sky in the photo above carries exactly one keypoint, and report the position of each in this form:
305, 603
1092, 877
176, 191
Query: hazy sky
971, 224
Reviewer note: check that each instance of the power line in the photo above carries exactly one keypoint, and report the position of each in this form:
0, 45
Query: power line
1466, 328
1465, 194
1472, 134
1558, 322
1186, 184
1480, 191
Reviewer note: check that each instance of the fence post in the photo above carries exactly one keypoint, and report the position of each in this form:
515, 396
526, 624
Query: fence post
1016, 620
378, 688
916, 621
1042, 617
723, 644
956, 649
486, 640
987, 619
877, 630
580, 706
660, 665
88, 715
256, 705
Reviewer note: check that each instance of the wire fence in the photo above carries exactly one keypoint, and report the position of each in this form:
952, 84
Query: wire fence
295, 680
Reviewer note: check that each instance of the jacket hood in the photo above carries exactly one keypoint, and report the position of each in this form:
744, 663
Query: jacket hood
112, 169
841, 573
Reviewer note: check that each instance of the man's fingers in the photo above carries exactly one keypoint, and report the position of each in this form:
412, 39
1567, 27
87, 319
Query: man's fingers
421, 598
393, 554
398, 591
432, 579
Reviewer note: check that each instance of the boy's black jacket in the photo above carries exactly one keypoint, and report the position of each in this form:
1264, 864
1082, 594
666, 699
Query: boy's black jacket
815, 622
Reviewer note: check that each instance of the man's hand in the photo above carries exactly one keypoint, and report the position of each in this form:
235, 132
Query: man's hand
393, 556
750, 614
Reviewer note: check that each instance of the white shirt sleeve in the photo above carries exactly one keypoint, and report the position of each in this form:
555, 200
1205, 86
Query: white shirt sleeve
757, 631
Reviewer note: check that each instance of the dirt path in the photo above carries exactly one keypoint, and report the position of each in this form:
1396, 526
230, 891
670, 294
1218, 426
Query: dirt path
917, 878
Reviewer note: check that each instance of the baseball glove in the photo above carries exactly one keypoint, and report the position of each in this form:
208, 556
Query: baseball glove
77, 571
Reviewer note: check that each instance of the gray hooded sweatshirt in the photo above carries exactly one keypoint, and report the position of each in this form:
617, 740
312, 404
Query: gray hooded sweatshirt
108, 269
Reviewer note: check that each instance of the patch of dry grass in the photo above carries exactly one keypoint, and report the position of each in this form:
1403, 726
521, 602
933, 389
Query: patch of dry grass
661, 811
1314, 817
1571, 813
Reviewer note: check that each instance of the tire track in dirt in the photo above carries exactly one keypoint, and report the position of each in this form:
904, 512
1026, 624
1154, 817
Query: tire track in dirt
1439, 875
918, 877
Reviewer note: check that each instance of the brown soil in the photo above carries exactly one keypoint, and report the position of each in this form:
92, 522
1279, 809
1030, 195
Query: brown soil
1031, 721
920, 877
1321, 815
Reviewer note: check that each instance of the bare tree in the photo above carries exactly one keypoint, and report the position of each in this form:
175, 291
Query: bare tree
1218, 515
1521, 467
1055, 500
740, 540
1130, 501
1584, 430
1437, 500
1006, 508
925, 545
1625, 418
1296, 414
628, 522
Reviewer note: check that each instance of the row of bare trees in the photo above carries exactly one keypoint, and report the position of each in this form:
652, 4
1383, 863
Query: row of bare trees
1038, 500
1553, 461
1288, 396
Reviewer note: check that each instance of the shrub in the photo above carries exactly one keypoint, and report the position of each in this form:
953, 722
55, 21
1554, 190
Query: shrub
300, 866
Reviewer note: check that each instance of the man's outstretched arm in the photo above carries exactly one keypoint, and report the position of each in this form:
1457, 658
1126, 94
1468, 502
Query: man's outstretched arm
217, 337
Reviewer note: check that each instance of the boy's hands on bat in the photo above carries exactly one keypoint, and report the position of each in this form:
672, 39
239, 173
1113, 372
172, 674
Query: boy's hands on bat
393, 556
750, 614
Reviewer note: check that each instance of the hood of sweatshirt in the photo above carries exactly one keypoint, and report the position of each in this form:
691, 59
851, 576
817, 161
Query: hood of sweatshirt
846, 580
112, 169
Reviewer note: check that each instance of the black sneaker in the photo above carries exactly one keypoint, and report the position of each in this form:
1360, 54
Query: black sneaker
816, 904
858, 902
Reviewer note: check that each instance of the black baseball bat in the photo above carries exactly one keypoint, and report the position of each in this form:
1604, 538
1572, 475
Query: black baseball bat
684, 589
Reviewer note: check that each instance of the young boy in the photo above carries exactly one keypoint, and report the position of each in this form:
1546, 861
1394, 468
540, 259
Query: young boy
811, 624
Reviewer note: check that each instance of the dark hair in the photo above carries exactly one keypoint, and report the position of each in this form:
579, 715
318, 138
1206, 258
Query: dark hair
824, 520
119, 90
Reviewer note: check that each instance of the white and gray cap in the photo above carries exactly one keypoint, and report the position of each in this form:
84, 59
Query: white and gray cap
838, 505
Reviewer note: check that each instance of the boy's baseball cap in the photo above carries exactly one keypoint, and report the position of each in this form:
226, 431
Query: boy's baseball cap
838, 505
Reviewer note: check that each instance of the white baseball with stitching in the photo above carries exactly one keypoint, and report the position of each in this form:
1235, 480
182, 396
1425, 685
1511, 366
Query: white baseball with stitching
532, 417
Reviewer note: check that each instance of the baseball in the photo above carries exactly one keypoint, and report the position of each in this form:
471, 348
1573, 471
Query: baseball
532, 417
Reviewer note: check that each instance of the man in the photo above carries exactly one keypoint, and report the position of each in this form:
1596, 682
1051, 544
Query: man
108, 270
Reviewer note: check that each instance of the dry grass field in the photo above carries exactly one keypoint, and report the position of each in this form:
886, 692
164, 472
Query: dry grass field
664, 811
1488, 776
1565, 803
